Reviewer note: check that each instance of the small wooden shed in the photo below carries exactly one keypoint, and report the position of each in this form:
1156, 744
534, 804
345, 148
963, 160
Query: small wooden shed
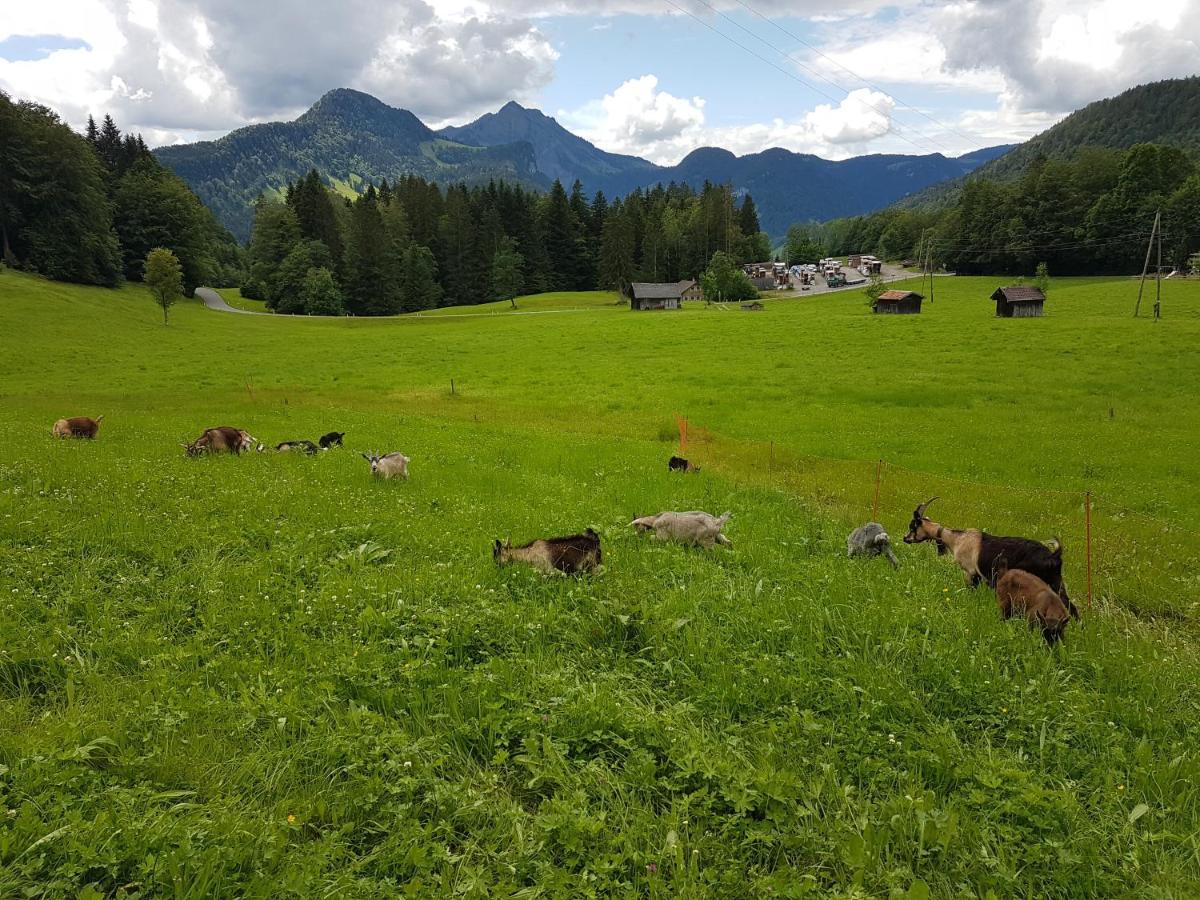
648, 295
1019, 302
752, 306
898, 303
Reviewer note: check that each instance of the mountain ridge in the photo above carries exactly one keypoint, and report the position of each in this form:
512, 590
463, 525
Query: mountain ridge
352, 138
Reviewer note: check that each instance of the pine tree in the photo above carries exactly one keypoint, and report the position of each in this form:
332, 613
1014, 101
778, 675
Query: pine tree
420, 283
315, 214
617, 251
370, 286
563, 241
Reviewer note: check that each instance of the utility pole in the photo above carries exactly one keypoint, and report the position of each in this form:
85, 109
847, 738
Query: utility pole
1158, 280
1146, 264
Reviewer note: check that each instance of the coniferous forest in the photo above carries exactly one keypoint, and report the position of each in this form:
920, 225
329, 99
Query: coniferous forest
88, 208
413, 245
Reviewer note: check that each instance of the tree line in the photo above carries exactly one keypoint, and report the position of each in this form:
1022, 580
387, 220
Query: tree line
1089, 215
88, 208
411, 245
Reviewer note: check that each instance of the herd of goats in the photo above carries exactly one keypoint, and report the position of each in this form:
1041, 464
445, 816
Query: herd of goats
1026, 574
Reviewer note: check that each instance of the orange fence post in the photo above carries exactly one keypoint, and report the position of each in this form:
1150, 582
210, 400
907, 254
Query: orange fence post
1087, 518
878, 478
682, 435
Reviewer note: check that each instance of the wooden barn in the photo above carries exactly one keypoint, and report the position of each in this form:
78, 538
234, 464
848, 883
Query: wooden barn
648, 295
1019, 302
691, 290
898, 303
752, 306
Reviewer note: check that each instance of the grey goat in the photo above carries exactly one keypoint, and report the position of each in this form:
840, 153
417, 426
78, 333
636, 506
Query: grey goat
692, 527
871, 540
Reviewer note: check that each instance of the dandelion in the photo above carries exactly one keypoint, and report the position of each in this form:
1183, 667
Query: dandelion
291, 819
1120, 787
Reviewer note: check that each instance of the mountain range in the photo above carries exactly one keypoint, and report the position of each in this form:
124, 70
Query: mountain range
352, 138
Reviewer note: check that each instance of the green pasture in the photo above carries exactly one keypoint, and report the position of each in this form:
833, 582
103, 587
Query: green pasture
273, 676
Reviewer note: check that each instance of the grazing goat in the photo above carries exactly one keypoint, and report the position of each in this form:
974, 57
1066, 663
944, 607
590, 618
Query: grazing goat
77, 427
691, 527
222, 439
679, 464
1019, 593
984, 557
871, 540
568, 555
388, 466
307, 447
332, 439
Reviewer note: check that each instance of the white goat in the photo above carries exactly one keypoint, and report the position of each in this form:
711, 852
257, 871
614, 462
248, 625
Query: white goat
691, 527
388, 466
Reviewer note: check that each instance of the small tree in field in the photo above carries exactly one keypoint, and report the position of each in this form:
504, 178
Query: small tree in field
724, 282
1041, 278
506, 271
164, 277
874, 288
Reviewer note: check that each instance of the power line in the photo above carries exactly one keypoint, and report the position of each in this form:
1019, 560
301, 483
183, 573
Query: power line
886, 113
776, 66
850, 71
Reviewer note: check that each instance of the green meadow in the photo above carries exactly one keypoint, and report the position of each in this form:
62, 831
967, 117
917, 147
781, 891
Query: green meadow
273, 676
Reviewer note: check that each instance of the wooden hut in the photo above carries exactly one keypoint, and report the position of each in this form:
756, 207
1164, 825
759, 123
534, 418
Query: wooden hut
752, 306
648, 295
691, 290
1019, 302
898, 303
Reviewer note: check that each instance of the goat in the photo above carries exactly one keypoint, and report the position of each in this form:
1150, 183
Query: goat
570, 555
871, 540
77, 427
691, 527
332, 439
222, 439
679, 464
387, 466
307, 447
984, 557
1020, 593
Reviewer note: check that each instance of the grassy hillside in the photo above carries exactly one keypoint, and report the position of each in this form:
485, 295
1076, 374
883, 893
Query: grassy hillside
272, 675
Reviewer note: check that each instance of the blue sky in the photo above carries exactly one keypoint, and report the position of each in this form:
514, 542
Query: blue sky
833, 77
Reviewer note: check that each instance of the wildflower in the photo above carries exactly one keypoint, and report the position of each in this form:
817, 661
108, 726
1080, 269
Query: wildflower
651, 868
1120, 787
291, 819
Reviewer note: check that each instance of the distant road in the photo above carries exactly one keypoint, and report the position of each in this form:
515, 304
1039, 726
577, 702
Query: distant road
213, 300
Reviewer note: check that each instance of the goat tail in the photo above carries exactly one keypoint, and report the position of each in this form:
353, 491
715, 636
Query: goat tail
724, 517
99, 418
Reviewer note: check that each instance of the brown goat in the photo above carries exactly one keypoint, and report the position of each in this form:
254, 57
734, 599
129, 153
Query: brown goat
77, 427
221, 439
568, 555
1018, 593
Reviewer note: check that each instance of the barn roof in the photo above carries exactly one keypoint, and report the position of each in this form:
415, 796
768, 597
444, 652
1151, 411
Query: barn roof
900, 295
647, 290
1019, 293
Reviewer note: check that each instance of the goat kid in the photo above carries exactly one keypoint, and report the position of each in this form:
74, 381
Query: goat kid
570, 555
77, 427
679, 464
307, 447
871, 540
1019, 593
388, 466
332, 439
985, 557
691, 527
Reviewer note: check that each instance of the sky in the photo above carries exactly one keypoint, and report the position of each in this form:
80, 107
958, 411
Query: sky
654, 78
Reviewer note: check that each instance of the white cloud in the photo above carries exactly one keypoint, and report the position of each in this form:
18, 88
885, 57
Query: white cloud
640, 119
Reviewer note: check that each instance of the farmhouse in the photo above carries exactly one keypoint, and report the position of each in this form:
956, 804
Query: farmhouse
898, 303
648, 295
1018, 302
691, 290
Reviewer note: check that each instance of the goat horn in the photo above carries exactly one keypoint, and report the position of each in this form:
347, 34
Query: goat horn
921, 509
